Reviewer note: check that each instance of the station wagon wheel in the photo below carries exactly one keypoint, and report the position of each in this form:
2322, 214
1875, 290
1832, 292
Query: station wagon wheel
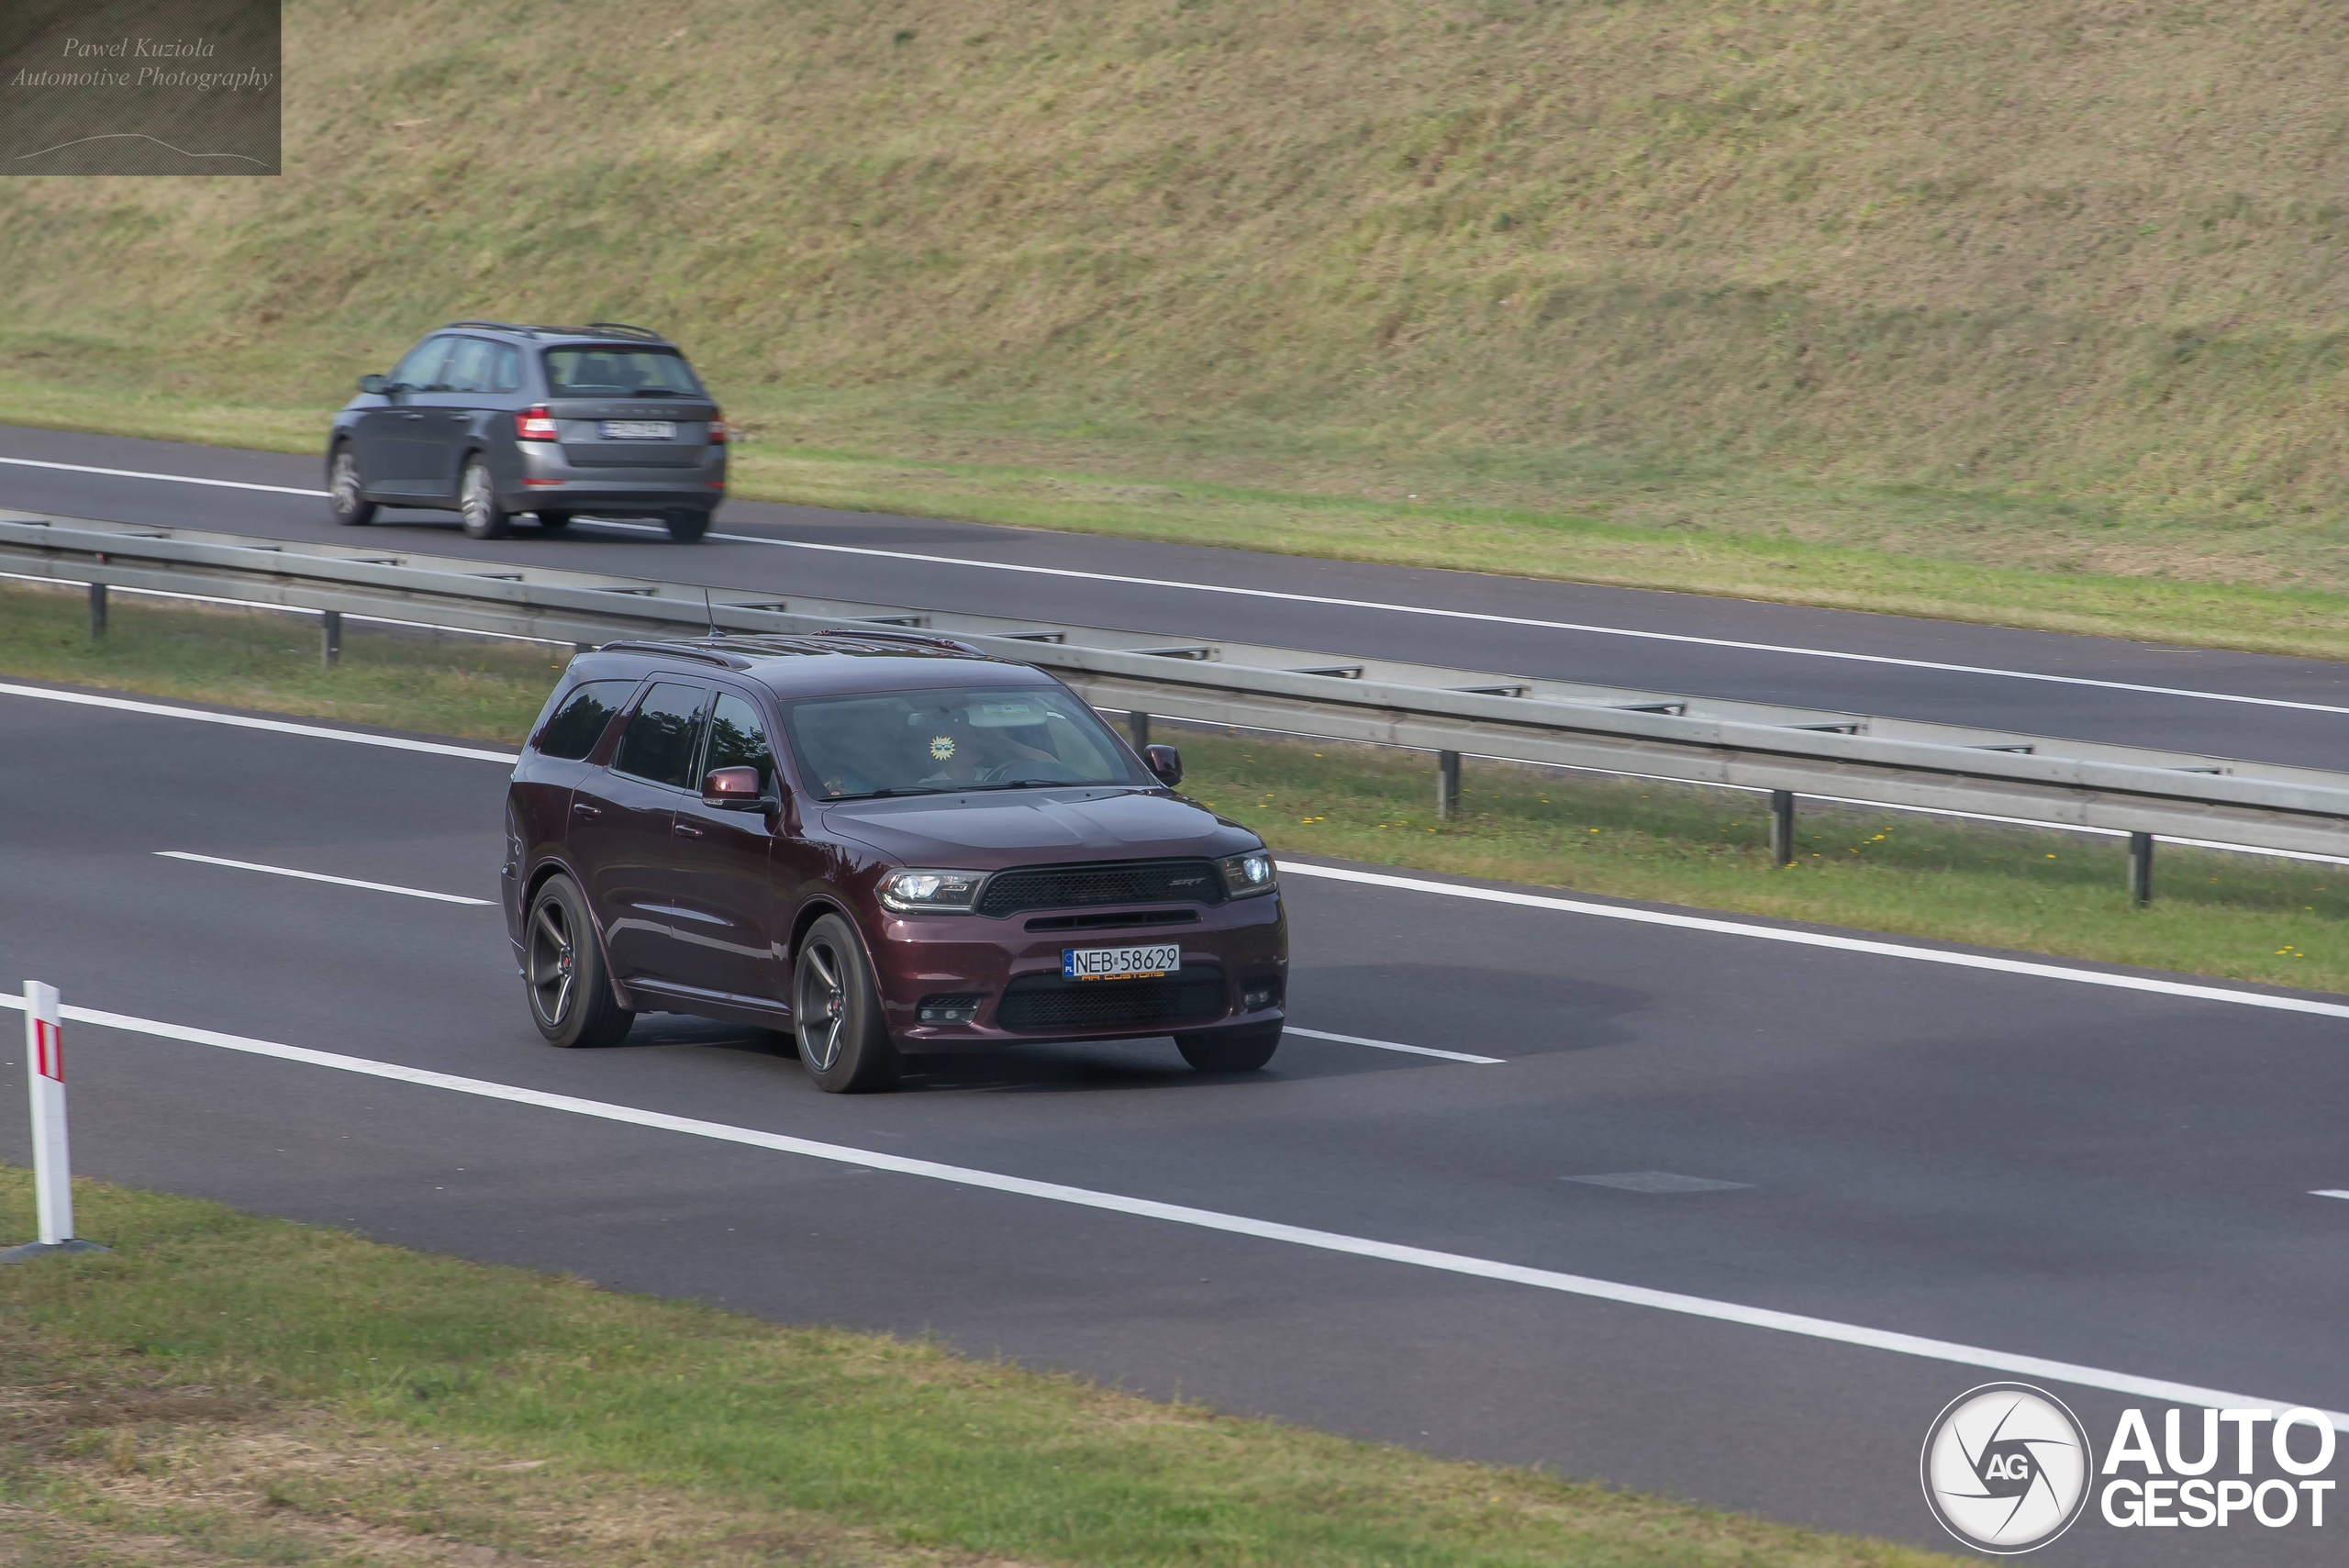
571, 997
347, 489
836, 1013
477, 500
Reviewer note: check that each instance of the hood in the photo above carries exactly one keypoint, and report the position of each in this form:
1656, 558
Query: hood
988, 830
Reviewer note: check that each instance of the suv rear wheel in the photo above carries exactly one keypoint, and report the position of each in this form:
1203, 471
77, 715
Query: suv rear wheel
687, 525
836, 1012
347, 489
571, 997
477, 500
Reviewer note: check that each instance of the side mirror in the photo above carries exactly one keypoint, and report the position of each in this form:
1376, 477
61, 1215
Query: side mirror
372, 384
734, 789
1166, 762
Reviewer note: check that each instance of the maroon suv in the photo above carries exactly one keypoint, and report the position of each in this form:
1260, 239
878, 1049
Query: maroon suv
885, 842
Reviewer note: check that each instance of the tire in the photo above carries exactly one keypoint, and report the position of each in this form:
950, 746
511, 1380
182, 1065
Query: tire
836, 1013
553, 522
562, 970
686, 525
1229, 1051
477, 501
347, 489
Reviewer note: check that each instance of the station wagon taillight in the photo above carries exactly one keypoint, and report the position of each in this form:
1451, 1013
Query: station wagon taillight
718, 426
535, 425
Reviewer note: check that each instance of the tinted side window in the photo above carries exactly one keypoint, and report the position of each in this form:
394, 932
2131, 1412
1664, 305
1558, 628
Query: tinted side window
470, 367
738, 739
573, 732
508, 375
416, 370
661, 740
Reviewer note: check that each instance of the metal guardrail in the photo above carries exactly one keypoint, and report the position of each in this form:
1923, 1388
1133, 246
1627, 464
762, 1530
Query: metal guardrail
1787, 751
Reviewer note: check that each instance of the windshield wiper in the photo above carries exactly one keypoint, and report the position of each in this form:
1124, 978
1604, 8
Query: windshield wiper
885, 793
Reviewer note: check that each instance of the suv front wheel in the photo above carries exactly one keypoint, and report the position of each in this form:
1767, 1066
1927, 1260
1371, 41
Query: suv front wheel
477, 500
836, 1011
347, 490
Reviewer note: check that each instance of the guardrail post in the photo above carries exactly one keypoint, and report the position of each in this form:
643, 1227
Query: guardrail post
98, 612
1138, 726
331, 640
1782, 827
2141, 869
1447, 785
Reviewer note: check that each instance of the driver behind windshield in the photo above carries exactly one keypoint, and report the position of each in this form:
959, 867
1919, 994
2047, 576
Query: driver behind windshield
929, 742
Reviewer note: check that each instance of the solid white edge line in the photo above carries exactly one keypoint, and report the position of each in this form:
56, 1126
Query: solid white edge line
1535, 622
2329, 1191
276, 725
1826, 939
321, 876
1332, 601
167, 478
1211, 1219
1396, 1045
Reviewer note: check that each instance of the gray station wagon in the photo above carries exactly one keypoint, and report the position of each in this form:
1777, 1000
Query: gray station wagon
493, 420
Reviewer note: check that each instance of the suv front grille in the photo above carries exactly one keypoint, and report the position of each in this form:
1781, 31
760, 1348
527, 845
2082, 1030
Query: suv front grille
1101, 882
1048, 1002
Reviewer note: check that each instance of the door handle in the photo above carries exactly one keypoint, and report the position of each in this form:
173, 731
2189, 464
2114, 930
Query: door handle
585, 809
411, 416
685, 831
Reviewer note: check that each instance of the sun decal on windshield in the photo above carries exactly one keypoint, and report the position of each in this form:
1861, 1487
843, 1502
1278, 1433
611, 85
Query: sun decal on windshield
941, 747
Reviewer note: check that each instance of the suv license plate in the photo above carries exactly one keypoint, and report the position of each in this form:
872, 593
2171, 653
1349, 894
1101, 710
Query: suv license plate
1121, 963
639, 431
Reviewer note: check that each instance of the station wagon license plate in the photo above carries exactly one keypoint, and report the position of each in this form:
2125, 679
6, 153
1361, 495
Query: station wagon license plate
639, 431
1121, 963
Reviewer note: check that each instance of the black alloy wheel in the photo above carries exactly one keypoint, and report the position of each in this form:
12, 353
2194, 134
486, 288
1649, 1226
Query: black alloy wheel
571, 997
477, 501
836, 1013
347, 489
1229, 1051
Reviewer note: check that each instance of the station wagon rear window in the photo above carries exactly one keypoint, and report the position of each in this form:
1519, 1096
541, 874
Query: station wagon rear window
946, 741
604, 370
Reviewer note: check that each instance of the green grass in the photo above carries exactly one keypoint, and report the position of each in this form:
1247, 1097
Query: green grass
2248, 918
225, 1388
1982, 311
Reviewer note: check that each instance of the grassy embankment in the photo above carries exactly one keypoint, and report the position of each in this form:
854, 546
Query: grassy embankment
2004, 312
227, 1389
2239, 916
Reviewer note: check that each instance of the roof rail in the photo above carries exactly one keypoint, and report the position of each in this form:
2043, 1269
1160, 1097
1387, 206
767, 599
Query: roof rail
679, 649
622, 329
501, 326
919, 639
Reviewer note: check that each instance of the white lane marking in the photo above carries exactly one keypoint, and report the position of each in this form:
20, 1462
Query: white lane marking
1395, 1045
168, 478
276, 725
1208, 1219
1824, 939
320, 877
1536, 622
1333, 601
2329, 1191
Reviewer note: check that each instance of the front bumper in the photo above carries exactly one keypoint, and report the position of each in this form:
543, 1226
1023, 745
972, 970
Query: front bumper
1231, 950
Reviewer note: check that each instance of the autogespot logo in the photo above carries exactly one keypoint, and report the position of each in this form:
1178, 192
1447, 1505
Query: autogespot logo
2006, 1468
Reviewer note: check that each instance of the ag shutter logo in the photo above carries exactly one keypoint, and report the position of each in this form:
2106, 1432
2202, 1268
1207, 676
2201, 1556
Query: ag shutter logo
2006, 1468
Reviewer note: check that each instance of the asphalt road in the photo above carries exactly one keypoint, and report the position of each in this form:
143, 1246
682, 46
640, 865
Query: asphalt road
770, 548
2107, 1178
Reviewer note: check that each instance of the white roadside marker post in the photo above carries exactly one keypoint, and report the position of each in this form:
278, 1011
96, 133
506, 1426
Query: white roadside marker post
53, 1159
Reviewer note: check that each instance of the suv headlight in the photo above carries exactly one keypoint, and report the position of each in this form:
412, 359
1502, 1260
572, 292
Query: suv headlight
931, 892
1245, 874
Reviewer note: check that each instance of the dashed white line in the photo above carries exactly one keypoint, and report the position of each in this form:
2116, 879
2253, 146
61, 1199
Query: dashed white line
321, 876
1211, 1219
1337, 602
1396, 1045
2329, 1192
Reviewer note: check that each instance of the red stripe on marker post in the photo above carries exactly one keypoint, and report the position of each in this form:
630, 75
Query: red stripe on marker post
49, 1053
45, 1080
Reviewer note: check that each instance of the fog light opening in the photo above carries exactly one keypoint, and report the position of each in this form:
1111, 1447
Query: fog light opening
1259, 994
948, 1010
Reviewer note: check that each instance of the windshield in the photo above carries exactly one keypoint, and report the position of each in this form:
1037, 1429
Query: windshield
960, 739
607, 370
